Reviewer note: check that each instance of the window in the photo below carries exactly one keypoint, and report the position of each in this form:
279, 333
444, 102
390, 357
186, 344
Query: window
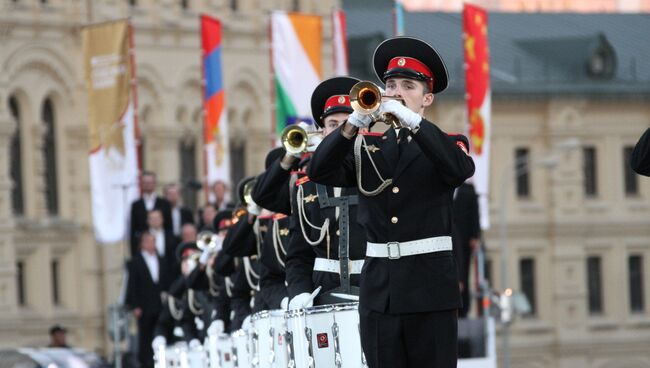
594, 285
55, 282
133, 2
188, 172
234, 5
527, 279
590, 174
15, 157
184, 4
20, 283
635, 267
631, 179
522, 177
238, 165
295, 6
49, 156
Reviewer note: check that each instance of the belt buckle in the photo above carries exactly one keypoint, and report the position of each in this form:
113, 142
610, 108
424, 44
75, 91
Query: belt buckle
391, 254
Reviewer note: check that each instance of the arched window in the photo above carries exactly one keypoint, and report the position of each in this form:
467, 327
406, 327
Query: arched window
238, 164
49, 159
15, 165
187, 151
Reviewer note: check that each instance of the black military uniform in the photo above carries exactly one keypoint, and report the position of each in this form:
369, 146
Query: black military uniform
640, 160
313, 254
408, 303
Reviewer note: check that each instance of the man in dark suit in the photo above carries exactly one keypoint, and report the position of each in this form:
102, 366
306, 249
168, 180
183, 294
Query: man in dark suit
180, 215
146, 203
409, 294
148, 279
466, 232
165, 241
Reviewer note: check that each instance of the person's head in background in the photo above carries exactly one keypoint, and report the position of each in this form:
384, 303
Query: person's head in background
172, 194
209, 212
155, 220
188, 233
219, 189
57, 337
148, 243
148, 182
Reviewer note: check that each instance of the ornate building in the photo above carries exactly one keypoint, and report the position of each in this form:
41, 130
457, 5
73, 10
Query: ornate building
51, 269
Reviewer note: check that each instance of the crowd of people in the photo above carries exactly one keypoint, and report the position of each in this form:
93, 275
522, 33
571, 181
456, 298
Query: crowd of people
359, 215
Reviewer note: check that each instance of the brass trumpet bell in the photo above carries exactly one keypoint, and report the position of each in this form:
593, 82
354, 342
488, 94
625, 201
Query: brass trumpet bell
294, 139
365, 99
206, 240
248, 191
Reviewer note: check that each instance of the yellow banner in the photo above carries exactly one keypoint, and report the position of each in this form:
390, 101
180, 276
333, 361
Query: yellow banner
107, 75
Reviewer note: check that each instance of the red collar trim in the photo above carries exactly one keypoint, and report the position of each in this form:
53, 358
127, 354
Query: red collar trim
302, 180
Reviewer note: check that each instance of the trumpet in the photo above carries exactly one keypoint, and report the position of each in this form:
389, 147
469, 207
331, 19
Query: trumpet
248, 191
295, 139
207, 240
365, 98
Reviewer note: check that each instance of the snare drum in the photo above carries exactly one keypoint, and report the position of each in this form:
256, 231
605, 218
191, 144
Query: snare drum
278, 357
224, 351
325, 336
262, 342
240, 349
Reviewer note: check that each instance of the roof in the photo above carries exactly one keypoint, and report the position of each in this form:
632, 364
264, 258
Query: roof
531, 53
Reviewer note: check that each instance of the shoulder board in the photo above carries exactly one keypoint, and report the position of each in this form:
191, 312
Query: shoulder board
302, 180
279, 216
265, 217
299, 172
371, 134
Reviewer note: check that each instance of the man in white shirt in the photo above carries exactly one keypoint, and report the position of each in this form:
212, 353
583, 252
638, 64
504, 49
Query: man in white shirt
149, 201
165, 241
180, 215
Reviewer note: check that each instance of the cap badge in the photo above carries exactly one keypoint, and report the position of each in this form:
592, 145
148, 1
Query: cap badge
341, 99
401, 61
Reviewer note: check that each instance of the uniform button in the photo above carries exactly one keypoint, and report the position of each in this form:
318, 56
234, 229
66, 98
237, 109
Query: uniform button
394, 219
395, 190
338, 232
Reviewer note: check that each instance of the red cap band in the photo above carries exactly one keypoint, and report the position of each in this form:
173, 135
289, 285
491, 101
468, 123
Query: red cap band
405, 62
336, 100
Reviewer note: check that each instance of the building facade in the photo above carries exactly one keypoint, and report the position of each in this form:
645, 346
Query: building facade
51, 269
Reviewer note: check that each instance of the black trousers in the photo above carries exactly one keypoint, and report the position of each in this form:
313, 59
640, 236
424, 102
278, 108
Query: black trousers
417, 340
146, 325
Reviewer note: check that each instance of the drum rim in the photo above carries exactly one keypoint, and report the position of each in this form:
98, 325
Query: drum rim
239, 333
339, 307
260, 315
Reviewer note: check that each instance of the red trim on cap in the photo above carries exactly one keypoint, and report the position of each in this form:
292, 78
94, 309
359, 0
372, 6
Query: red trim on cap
266, 217
187, 251
302, 180
336, 100
299, 172
225, 223
462, 146
372, 134
279, 216
405, 62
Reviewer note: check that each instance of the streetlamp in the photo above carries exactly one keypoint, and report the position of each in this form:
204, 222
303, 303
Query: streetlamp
508, 175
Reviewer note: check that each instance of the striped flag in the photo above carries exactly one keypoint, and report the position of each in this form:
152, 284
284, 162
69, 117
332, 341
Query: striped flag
477, 86
215, 124
339, 42
296, 48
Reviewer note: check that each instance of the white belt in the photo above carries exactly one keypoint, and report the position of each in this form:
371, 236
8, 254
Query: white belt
396, 250
334, 266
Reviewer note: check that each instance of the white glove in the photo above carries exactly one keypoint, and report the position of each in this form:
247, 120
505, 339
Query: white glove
299, 301
307, 127
359, 120
191, 265
194, 344
407, 117
284, 304
216, 327
158, 342
203, 259
253, 209
313, 142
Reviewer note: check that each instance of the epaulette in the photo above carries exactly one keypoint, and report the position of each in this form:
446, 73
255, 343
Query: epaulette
279, 216
372, 134
299, 172
302, 180
267, 217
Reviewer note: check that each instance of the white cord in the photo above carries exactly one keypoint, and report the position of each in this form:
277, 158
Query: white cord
324, 229
190, 302
248, 271
277, 242
357, 163
171, 303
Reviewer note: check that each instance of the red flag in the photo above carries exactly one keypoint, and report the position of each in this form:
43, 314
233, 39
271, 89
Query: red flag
477, 88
